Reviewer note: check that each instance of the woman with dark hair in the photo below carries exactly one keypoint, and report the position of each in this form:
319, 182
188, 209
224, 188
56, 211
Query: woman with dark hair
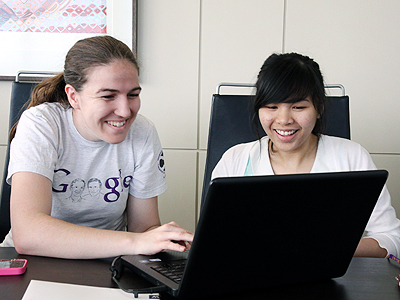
81, 124
289, 104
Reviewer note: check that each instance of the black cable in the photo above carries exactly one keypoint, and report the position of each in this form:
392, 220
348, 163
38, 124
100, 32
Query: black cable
116, 269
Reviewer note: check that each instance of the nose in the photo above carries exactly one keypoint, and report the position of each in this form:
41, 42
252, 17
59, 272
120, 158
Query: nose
284, 116
123, 108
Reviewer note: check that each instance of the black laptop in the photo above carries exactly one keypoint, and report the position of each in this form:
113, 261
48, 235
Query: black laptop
261, 231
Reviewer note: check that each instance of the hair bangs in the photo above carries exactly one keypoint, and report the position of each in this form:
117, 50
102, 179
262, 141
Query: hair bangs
298, 84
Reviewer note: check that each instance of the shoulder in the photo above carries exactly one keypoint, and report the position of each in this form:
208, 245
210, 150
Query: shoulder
241, 150
233, 162
249, 146
343, 154
142, 132
142, 123
46, 118
48, 111
339, 144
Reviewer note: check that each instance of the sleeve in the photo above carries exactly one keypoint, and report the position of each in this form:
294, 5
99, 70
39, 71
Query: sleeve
383, 225
34, 148
149, 178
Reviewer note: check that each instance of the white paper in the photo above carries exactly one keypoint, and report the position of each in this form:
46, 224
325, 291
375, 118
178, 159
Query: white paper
46, 290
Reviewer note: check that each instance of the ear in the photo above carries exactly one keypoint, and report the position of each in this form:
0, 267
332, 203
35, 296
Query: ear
73, 96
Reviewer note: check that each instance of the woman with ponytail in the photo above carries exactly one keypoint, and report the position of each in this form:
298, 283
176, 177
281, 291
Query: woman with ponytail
85, 168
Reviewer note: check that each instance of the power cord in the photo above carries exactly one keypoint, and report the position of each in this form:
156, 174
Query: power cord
116, 272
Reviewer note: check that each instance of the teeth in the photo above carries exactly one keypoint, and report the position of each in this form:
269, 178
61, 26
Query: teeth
282, 132
117, 124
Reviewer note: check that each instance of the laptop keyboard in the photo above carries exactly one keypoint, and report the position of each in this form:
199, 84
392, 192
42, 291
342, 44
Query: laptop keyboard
172, 270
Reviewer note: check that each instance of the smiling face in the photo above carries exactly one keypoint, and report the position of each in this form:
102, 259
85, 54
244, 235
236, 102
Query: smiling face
77, 187
94, 188
108, 103
289, 125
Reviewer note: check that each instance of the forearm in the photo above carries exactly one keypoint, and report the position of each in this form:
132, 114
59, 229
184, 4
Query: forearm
368, 247
47, 236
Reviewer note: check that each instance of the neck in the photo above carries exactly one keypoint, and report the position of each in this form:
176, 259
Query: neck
300, 160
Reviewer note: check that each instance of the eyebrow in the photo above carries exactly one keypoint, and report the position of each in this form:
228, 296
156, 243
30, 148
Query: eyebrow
301, 100
114, 91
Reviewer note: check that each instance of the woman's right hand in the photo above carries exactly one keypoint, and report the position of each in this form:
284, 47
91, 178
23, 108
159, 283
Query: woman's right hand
169, 236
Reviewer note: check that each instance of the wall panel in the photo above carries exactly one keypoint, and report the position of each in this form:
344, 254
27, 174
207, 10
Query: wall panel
178, 203
236, 38
356, 43
168, 51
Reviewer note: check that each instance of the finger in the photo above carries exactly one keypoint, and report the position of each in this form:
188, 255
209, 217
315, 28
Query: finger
188, 245
174, 227
179, 247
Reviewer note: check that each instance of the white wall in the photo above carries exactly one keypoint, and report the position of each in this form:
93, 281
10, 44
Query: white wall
356, 44
186, 48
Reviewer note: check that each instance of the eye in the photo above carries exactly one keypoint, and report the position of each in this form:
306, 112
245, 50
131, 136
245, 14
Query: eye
108, 97
271, 106
301, 105
298, 107
133, 95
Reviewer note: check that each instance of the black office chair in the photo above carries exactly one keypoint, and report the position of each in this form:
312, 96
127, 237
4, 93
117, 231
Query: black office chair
230, 124
20, 94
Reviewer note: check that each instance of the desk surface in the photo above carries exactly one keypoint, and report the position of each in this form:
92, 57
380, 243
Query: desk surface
366, 278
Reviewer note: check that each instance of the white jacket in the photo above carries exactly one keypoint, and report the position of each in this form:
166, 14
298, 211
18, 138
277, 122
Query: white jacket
333, 155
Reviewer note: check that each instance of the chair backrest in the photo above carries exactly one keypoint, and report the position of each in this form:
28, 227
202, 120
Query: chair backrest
20, 95
230, 124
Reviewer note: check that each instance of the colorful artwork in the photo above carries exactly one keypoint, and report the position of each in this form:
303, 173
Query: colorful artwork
54, 16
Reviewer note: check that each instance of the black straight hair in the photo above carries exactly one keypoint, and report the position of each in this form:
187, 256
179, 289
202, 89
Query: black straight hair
289, 78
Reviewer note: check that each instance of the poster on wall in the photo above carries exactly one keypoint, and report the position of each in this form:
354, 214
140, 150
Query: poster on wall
35, 35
